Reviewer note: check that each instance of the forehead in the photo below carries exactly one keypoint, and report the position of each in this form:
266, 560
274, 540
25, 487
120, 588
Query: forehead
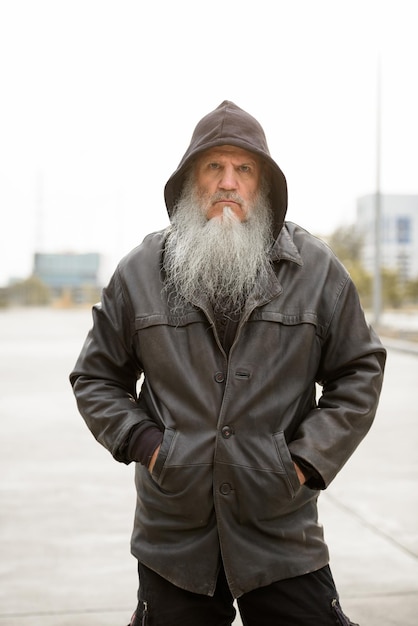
229, 152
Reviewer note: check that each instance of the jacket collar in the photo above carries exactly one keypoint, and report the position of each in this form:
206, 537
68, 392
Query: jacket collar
284, 248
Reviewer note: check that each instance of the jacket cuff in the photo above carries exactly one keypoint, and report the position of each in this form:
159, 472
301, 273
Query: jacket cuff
142, 443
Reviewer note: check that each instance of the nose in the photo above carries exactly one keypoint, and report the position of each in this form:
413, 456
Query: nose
228, 179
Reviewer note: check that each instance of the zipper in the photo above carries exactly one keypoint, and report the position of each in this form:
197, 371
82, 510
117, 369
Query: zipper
338, 612
342, 617
144, 614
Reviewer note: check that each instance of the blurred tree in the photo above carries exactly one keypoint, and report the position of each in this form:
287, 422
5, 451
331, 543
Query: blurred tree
29, 292
392, 289
411, 291
347, 242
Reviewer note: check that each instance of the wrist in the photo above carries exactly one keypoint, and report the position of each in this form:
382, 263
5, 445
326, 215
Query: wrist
301, 475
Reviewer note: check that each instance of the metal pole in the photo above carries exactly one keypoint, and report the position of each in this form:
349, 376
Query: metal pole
377, 281
39, 237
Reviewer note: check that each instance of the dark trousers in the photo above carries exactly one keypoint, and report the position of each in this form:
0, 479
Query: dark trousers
309, 600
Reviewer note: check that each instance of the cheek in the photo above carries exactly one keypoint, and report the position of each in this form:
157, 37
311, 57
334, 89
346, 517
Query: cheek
254, 190
205, 182
204, 191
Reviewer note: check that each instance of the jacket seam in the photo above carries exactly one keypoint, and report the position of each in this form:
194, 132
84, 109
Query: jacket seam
342, 287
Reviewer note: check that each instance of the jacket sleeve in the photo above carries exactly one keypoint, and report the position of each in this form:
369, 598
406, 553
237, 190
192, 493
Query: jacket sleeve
105, 376
351, 376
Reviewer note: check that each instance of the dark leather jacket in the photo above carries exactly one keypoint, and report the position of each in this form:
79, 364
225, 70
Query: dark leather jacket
224, 481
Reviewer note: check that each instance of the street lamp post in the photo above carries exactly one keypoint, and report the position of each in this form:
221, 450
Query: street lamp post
377, 278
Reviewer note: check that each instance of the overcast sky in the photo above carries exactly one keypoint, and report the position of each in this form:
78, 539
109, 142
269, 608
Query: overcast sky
99, 99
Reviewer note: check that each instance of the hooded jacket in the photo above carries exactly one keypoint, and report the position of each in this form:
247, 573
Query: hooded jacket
230, 125
224, 484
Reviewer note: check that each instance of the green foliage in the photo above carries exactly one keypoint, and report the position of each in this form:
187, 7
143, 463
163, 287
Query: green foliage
392, 289
411, 291
29, 292
347, 242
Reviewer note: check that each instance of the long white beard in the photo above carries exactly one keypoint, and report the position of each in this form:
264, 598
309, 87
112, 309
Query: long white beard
222, 259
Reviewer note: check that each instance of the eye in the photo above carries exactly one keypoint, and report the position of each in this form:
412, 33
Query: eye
246, 169
213, 165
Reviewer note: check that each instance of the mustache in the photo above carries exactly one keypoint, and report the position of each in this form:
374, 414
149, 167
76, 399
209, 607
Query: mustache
227, 195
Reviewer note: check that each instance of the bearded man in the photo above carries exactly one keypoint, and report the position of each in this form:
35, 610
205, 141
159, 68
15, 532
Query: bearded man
230, 317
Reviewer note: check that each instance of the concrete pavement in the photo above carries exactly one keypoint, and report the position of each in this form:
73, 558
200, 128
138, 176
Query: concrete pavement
66, 508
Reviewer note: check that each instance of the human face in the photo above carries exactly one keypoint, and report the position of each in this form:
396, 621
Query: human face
228, 176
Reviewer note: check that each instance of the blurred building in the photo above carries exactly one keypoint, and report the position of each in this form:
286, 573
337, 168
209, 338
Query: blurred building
398, 233
71, 276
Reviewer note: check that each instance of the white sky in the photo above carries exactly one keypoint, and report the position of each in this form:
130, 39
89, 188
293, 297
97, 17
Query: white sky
99, 99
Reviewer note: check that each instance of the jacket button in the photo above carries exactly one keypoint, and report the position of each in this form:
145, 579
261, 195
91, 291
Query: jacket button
225, 489
219, 377
227, 432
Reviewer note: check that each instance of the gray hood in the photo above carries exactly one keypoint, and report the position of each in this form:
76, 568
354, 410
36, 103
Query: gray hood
230, 125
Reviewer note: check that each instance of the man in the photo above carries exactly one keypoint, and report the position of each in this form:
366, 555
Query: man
232, 317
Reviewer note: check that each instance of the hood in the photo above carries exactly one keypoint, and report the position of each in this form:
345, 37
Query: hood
230, 125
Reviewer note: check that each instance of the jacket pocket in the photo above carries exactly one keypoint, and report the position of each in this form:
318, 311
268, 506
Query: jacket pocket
175, 496
286, 459
167, 443
264, 479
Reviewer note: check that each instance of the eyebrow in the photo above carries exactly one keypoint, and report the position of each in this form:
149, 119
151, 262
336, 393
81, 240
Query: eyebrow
209, 158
